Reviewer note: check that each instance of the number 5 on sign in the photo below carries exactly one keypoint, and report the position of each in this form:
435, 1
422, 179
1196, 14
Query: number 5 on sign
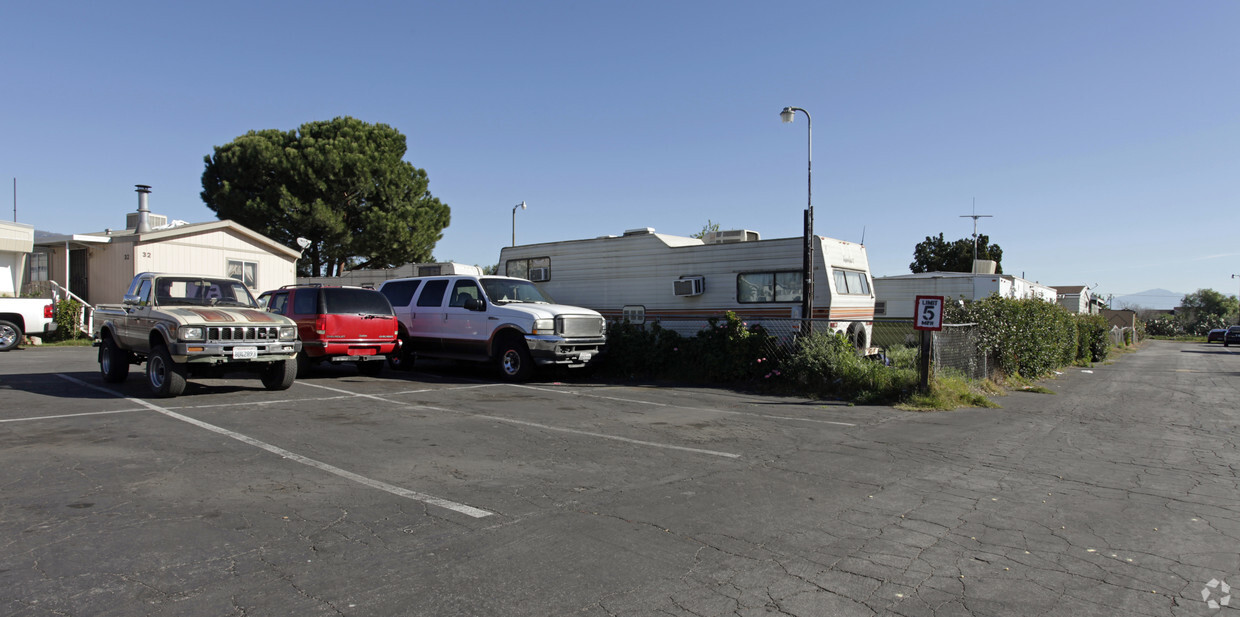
929, 315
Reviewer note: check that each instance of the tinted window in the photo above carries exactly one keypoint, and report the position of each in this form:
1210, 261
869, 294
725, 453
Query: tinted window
400, 293
432, 293
306, 302
277, 303
464, 289
345, 301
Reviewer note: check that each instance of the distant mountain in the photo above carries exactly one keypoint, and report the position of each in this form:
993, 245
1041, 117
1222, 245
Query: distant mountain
1158, 299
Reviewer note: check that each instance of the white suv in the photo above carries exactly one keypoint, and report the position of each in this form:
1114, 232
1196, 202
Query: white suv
490, 318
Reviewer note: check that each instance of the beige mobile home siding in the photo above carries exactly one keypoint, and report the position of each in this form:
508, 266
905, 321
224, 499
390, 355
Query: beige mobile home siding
109, 271
208, 254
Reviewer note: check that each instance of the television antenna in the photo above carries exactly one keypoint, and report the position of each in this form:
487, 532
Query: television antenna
975, 216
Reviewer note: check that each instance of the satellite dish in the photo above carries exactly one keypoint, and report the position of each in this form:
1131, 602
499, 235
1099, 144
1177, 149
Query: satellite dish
304, 243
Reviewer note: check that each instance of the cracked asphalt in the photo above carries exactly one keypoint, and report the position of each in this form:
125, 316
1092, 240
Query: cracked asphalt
446, 493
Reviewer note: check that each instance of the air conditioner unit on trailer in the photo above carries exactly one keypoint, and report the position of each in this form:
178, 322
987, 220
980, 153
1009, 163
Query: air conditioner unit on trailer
690, 286
539, 275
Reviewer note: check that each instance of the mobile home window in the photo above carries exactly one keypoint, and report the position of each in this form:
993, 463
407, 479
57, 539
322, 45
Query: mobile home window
851, 282
37, 267
537, 269
768, 287
244, 271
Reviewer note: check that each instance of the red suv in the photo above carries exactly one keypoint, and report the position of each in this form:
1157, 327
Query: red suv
337, 324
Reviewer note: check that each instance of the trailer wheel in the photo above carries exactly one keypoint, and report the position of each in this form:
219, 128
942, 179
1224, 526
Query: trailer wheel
856, 334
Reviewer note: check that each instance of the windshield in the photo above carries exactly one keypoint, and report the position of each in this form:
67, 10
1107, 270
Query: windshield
184, 291
503, 291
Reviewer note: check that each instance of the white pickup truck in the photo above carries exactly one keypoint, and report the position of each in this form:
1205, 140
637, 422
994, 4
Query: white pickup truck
22, 316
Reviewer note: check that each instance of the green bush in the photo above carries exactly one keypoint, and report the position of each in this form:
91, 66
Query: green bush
67, 314
1095, 338
1028, 337
727, 351
828, 364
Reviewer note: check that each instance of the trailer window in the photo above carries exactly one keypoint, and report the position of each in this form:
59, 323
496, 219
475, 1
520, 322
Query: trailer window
851, 282
537, 269
768, 287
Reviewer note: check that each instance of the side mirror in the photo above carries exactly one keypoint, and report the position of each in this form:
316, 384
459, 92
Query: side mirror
475, 304
130, 299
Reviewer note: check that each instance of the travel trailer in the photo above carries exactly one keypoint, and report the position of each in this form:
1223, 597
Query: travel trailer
643, 276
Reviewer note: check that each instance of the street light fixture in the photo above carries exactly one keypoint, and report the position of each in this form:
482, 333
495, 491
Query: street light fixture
807, 258
514, 221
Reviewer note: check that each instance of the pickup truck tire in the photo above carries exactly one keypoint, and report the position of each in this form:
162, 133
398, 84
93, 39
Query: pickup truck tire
166, 378
515, 363
113, 361
10, 335
279, 375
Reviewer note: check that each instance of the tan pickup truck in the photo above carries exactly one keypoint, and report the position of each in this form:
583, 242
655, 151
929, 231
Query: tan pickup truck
183, 325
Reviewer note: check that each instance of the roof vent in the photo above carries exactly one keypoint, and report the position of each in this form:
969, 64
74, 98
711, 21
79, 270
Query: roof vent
640, 231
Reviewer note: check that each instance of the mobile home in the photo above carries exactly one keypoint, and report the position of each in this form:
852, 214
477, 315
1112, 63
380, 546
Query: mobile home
643, 276
896, 295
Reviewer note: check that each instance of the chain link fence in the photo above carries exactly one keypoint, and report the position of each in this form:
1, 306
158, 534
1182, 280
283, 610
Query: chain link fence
1121, 337
781, 332
955, 347
956, 350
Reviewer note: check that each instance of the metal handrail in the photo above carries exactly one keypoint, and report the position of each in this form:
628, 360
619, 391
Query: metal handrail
86, 321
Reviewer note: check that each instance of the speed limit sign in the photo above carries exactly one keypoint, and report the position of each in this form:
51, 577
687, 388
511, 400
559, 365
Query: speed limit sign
929, 313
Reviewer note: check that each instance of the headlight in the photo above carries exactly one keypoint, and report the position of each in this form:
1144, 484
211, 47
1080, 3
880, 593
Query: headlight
288, 333
544, 326
191, 333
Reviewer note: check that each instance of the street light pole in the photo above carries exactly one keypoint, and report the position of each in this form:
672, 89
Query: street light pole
514, 221
1237, 276
807, 257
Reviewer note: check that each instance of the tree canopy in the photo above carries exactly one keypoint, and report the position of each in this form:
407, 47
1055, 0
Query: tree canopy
935, 254
1205, 303
342, 184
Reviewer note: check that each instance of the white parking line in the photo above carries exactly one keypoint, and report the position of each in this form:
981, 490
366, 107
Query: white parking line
706, 409
541, 426
71, 415
293, 456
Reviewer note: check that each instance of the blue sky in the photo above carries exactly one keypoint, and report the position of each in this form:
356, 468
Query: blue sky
1104, 137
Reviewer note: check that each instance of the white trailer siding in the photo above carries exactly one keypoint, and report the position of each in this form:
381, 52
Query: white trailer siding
896, 295
611, 273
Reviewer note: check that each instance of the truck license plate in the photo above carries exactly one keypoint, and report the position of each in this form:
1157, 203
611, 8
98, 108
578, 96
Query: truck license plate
245, 353
585, 356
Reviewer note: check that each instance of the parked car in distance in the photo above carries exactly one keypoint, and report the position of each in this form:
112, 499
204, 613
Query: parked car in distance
1216, 335
337, 325
499, 319
1232, 336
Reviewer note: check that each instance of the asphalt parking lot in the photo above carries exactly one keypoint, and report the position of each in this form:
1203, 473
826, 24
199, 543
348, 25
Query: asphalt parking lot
448, 493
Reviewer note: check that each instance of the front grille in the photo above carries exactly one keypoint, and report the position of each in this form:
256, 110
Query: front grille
582, 326
243, 333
